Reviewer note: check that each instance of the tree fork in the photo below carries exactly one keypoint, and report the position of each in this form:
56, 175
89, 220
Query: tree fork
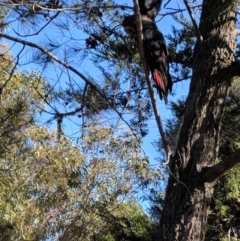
188, 195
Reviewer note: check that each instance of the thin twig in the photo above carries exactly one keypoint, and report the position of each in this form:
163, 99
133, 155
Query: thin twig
36, 33
181, 79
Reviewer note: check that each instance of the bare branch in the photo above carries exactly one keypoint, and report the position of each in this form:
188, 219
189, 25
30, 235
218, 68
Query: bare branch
149, 83
176, 80
214, 172
193, 20
171, 13
167, 3
53, 57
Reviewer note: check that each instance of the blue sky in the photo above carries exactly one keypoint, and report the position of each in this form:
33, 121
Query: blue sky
179, 89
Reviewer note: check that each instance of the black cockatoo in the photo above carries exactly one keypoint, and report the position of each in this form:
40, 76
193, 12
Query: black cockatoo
150, 7
156, 53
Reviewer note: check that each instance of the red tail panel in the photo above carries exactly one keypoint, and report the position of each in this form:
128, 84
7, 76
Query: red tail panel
158, 78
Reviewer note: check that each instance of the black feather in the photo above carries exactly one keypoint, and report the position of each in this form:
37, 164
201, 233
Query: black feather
150, 7
155, 50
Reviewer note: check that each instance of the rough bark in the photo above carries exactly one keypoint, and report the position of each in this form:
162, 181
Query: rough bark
188, 195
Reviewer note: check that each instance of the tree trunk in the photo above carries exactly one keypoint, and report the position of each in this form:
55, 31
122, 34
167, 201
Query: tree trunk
188, 197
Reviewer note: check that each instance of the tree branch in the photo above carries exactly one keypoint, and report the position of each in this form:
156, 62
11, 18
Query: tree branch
52, 56
74, 8
149, 83
214, 172
176, 80
67, 66
193, 20
43, 27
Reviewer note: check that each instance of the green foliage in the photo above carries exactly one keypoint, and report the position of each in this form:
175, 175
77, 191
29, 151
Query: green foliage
133, 225
53, 188
224, 219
